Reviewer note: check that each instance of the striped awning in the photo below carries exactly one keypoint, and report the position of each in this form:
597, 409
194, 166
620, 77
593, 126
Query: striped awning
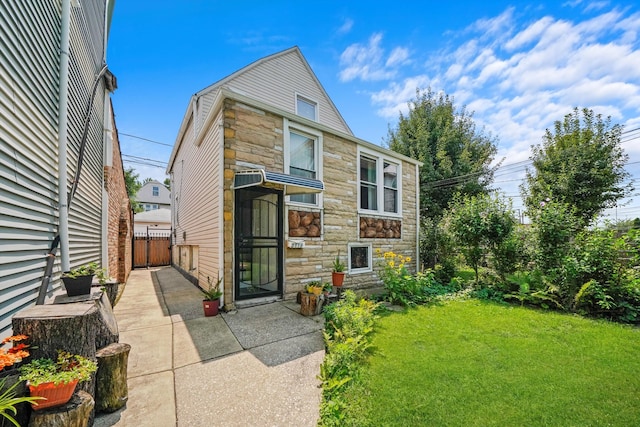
292, 184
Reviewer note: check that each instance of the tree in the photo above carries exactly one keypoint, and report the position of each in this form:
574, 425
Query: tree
455, 155
581, 163
133, 185
167, 183
480, 224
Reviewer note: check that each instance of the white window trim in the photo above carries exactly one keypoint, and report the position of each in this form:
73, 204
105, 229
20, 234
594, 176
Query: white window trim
380, 159
309, 100
370, 252
314, 133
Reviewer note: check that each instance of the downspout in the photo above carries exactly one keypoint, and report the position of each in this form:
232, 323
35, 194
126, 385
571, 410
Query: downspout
221, 220
63, 92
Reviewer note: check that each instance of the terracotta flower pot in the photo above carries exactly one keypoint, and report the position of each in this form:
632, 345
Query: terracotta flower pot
56, 395
211, 307
337, 277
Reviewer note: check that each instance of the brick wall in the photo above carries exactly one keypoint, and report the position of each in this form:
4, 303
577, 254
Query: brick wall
120, 216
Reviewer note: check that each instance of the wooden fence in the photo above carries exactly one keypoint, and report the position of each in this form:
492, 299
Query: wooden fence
152, 249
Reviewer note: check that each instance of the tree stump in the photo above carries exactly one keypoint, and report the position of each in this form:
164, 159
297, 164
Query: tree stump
111, 288
111, 378
71, 327
79, 325
78, 412
310, 304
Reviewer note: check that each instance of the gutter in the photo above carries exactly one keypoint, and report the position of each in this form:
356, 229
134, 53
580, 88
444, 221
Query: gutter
63, 92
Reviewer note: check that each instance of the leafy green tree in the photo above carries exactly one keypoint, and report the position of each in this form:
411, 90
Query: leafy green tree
480, 224
456, 156
133, 185
167, 183
580, 163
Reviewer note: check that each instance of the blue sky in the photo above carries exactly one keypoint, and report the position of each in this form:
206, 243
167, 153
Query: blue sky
518, 66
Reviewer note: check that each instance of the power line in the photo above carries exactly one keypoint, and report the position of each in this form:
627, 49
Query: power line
145, 159
145, 139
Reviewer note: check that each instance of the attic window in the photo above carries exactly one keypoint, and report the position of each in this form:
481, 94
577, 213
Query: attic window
306, 108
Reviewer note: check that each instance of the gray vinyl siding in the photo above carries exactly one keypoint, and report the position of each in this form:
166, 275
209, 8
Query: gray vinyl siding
276, 82
85, 213
197, 212
29, 74
29, 41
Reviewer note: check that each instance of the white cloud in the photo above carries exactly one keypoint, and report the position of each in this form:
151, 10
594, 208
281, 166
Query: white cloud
520, 77
346, 26
367, 62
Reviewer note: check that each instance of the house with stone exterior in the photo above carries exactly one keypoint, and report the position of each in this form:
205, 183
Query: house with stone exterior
269, 186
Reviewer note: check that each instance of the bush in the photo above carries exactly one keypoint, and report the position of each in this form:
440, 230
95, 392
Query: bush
348, 325
407, 289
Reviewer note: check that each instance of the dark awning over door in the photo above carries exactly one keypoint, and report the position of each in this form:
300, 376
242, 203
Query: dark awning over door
292, 184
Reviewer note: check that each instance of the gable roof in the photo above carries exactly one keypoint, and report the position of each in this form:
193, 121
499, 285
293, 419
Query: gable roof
145, 194
211, 98
271, 58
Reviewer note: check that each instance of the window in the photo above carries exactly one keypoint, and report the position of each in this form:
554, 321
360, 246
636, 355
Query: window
360, 260
303, 162
390, 171
306, 108
150, 206
379, 181
368, 186
156, 191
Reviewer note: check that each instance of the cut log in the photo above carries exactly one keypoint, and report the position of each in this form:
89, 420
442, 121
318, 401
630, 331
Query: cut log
111, 378
78, 412
310, 304
79, 326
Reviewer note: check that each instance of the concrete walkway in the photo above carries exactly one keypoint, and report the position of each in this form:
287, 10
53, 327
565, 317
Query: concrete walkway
253, 367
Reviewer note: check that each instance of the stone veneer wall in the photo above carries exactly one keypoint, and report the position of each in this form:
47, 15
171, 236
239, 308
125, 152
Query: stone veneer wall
304, 224
255, 136
380, 228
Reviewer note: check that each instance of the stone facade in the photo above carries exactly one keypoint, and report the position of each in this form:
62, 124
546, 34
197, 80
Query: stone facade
253, 136
304, 223
380, 228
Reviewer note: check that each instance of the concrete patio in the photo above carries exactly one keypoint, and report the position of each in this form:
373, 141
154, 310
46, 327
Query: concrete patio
256, 366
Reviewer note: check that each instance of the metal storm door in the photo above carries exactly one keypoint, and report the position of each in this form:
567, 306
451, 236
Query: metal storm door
258, 242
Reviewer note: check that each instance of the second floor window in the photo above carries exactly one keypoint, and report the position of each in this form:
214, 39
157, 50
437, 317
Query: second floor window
306, 108
156, 191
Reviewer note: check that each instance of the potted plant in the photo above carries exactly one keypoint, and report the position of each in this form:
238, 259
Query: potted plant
55, 380
337, 276
211, 301
314, 288
326, 288
77, 281
13, 393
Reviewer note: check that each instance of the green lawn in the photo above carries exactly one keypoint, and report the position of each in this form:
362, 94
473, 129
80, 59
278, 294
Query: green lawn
473, 363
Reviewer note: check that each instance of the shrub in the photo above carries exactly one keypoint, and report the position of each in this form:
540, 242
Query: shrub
348, 325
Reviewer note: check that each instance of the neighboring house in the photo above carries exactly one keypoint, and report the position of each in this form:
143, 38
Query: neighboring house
154, 195
156, 222
270, 185
60, 166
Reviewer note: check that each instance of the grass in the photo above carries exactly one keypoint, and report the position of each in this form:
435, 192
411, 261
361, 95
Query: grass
474, 363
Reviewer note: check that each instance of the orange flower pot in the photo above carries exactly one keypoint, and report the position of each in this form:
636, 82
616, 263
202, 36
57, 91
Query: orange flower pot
56, 395
337, 277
